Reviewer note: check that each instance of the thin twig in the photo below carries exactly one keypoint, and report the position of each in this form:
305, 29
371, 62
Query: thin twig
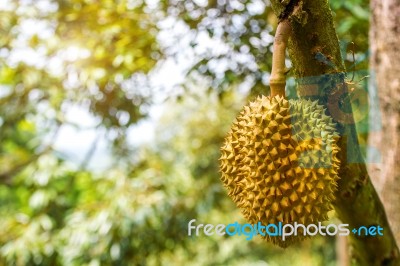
278, 72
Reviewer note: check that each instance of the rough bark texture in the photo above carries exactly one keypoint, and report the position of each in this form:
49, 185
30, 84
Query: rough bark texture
385, 67
319, 70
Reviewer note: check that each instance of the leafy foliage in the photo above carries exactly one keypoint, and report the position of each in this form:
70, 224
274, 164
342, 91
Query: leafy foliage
100, 56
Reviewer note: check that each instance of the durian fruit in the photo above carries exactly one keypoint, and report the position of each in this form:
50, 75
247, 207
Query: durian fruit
279, 163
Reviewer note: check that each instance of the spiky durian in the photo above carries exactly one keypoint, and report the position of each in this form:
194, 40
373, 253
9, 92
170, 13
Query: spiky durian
279, 163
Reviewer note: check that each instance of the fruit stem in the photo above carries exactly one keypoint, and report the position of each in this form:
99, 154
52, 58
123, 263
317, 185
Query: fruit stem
278, 73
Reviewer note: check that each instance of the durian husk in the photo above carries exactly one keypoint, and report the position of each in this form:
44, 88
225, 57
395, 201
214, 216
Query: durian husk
279, 163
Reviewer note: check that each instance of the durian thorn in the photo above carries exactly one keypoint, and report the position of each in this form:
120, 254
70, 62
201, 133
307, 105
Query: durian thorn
279, 70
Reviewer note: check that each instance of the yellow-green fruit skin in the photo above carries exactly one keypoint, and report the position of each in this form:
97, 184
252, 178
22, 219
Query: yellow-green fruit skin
279, 163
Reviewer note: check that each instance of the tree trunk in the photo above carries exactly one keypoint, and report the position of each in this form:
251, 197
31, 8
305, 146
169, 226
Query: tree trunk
342, 252
384, 139
319, 70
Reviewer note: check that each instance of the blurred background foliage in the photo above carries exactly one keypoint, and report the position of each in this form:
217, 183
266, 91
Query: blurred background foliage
111, 118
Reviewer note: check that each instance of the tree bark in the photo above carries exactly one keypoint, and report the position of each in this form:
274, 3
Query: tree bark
319, 70
384, 139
